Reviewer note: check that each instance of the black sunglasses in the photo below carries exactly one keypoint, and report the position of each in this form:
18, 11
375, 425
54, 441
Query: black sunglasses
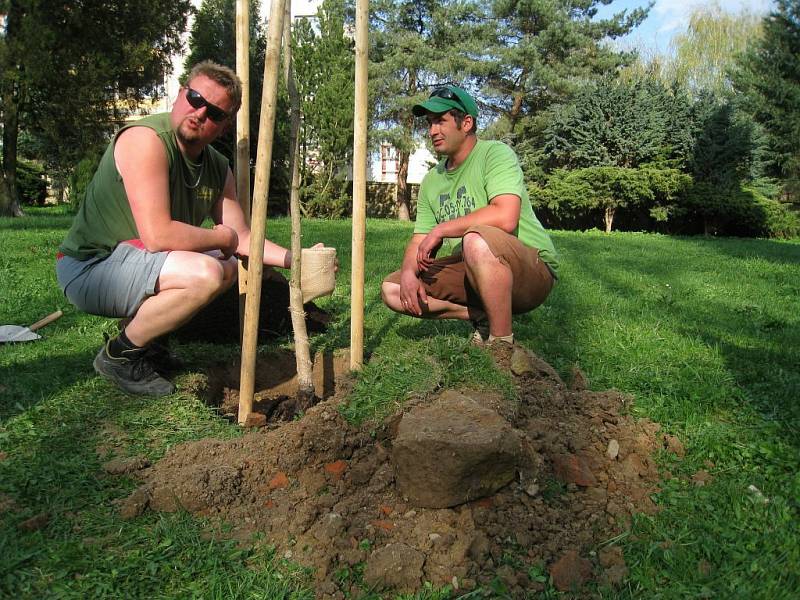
196, 100
448, 94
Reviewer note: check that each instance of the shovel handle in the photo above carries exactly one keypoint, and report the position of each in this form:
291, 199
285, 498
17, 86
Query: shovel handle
46, 321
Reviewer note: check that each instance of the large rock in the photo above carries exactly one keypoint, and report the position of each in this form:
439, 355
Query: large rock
455, 450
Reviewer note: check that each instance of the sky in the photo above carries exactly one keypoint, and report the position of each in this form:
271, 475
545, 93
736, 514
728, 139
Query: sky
669, 17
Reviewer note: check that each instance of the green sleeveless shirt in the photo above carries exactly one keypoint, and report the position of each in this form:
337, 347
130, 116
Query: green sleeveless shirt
105, 219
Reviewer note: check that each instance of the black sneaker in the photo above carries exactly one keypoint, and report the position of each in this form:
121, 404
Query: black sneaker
135, 375
163, 360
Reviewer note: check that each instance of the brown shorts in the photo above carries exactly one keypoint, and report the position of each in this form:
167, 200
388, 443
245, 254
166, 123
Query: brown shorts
447, 280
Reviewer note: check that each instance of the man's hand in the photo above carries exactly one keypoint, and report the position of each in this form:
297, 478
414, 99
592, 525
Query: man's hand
229, 240
426, 252
412, 293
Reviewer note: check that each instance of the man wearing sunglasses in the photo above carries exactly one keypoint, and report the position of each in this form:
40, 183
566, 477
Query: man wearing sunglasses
136, 249
475, 204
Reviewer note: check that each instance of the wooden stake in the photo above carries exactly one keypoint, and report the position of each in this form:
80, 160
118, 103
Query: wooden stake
359, 187
305, 383
243, 135
266, 130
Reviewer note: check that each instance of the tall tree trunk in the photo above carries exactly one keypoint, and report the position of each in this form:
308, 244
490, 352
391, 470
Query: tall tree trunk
8, 208
403, 198
305, 383
9, 195
9, 183
609, 217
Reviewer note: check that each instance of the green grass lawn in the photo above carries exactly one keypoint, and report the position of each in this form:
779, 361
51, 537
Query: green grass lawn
705, 333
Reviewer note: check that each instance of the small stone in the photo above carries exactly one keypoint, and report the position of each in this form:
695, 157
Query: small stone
613, 449
570, 572
280, 480
434, 537
521, 362
454, 582
673, 444
135, 504
255, 420
578, 381
287, 555
395, 566
532, 490
410, 514
572, 469
383, 525
121, 466
336, 469
757, 495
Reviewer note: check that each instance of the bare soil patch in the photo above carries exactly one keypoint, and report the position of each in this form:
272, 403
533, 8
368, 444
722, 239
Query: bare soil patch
327, 495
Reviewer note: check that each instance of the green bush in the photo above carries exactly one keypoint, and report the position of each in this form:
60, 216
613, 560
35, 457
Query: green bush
31, 183
739, 211
780, 221
80, 178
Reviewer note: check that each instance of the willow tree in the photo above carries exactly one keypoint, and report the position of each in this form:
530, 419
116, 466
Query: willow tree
703, 57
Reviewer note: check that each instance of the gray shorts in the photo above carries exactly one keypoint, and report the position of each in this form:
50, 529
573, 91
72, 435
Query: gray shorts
114, 286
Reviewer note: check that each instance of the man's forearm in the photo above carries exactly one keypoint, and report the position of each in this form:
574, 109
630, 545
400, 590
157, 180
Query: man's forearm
492, 215
410, 256
177, 235
274, 255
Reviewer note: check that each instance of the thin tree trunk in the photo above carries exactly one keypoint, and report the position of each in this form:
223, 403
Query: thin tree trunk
516, 110
609, 217
403, 202
305, 383
404, 157
516, 106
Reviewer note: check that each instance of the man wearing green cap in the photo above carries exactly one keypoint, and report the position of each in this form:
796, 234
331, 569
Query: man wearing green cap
474, 203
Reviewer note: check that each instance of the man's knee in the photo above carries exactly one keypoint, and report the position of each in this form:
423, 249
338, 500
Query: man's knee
207, 277
390, 294
475, 250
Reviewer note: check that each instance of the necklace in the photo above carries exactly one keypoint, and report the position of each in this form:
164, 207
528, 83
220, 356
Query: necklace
199, 168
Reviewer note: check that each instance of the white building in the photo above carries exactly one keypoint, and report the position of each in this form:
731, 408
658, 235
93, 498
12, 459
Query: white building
384, 164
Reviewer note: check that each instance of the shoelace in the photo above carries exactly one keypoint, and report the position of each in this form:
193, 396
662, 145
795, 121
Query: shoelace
142, 369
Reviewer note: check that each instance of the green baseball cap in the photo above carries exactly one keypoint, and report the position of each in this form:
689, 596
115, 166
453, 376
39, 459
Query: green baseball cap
447, 98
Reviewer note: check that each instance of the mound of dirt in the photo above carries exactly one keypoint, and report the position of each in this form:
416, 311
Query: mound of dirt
326, 494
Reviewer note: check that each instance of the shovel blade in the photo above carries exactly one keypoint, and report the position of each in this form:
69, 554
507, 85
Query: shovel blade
17, 333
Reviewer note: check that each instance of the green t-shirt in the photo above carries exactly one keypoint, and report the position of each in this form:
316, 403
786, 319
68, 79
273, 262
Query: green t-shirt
105, 219
491, 169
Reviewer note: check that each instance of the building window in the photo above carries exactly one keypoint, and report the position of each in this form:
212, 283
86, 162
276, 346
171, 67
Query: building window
388, 162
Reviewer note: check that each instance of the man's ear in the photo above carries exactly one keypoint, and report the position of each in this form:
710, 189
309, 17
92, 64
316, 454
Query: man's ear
472, 121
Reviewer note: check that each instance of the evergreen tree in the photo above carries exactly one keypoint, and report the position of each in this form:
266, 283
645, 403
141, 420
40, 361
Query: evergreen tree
542, 50
769, 77
416, 45
624, 123
68, 92
213, 37
324, 68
